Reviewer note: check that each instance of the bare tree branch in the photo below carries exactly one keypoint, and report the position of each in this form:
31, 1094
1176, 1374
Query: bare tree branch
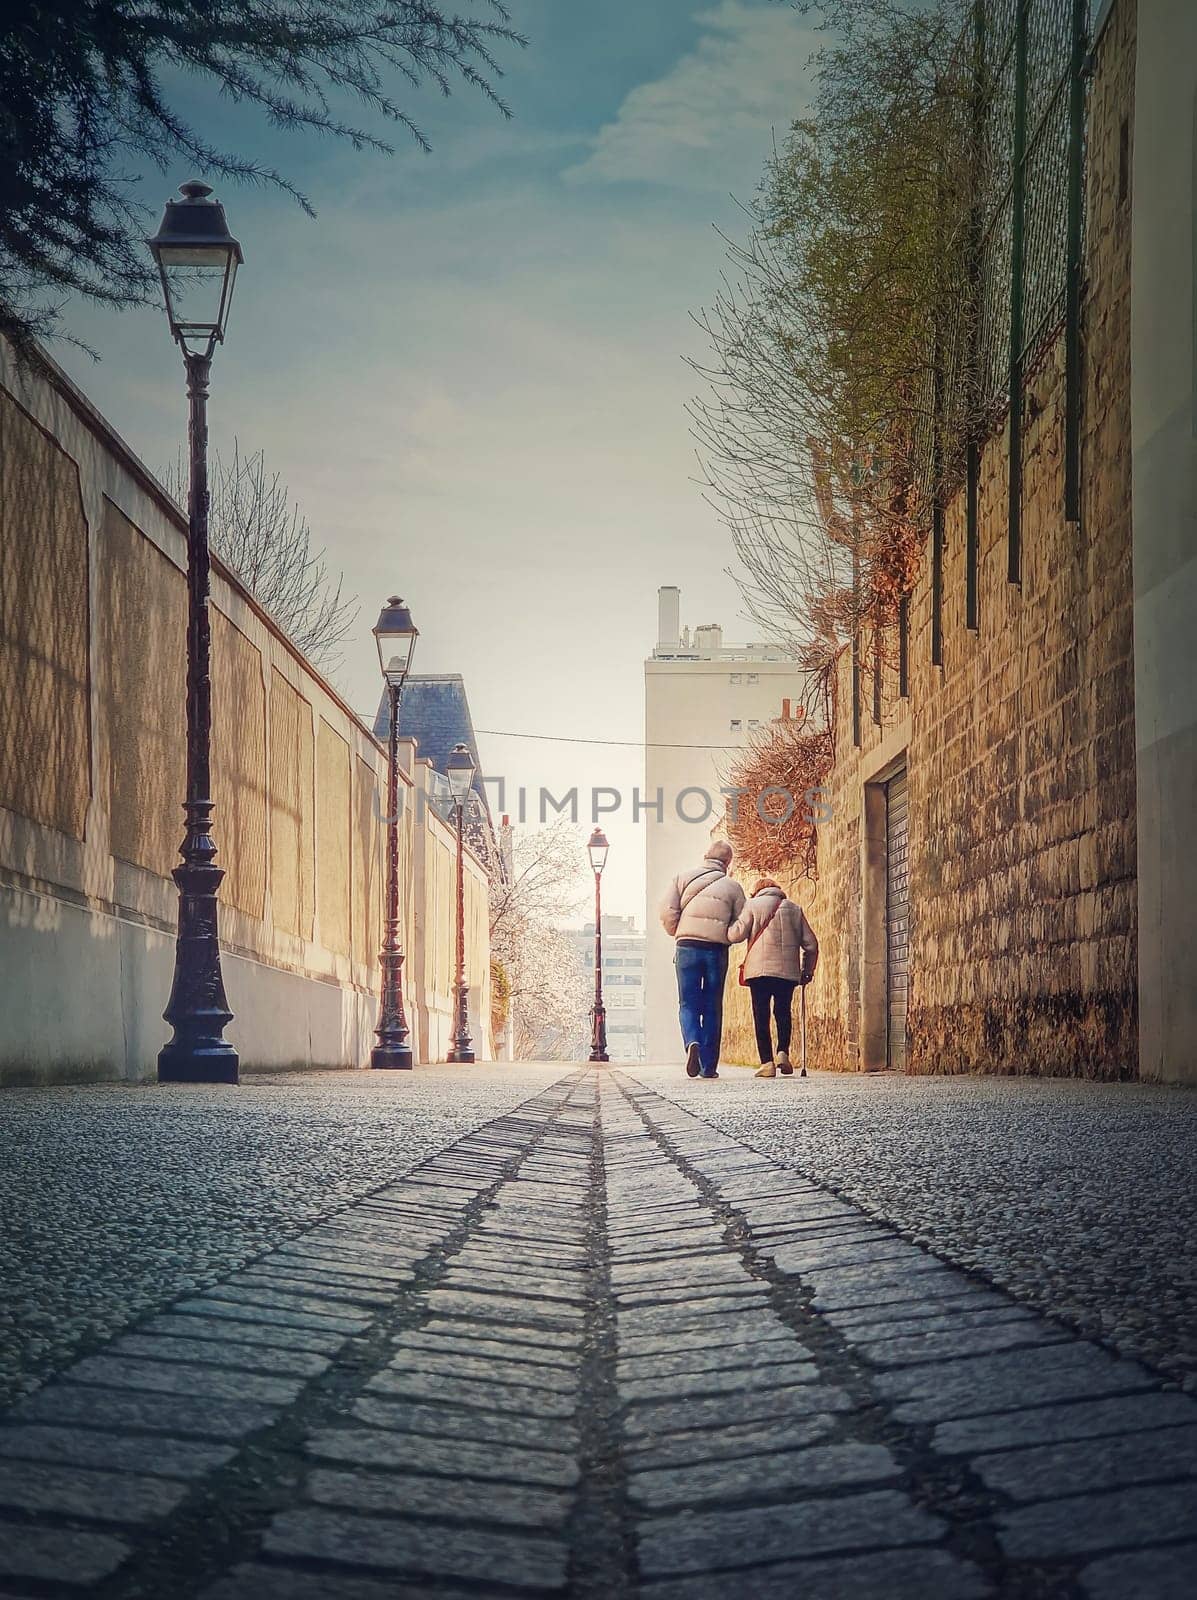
257, 529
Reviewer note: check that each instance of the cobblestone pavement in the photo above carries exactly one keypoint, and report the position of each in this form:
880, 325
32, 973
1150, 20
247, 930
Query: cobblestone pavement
115, 1199
1078, 1198
597, 1347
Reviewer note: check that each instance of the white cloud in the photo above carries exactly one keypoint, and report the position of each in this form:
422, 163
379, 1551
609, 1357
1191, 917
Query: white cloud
706, 124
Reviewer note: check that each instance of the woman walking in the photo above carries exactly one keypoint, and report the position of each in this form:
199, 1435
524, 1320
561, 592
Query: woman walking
782, 952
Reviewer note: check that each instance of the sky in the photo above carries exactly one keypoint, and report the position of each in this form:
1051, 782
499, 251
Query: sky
470, 367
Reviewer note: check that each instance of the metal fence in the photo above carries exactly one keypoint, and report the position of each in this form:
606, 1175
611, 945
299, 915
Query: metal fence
1020, 68
1026, 55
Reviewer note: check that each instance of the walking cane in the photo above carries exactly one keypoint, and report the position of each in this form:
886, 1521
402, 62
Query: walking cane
802, 1027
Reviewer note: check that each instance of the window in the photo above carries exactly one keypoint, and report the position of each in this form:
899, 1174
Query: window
754, 722
736, 724
736, 677
754, 677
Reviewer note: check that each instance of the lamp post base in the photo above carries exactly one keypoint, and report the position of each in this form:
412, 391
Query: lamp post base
598, 1031
217, 1064
391, 1058
460, 1057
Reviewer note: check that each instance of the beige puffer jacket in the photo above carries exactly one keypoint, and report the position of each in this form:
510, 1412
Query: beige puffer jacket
705, 904
786, 946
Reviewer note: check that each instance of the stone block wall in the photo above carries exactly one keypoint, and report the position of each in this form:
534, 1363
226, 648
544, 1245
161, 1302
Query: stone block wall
1020, 747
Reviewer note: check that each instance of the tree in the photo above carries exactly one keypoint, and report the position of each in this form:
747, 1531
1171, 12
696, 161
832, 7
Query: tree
551, 997
774, 825
90, 88
845, 306
541, 885
547, 990
267, 541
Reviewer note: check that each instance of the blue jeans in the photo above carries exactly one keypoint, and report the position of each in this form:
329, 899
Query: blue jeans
701, 969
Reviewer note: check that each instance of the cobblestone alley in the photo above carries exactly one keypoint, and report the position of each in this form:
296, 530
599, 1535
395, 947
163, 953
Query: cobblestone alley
593, 1346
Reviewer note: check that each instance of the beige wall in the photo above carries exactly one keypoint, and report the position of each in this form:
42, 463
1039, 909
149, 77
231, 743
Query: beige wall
434, 950
92, 661
1020, 747
44, 730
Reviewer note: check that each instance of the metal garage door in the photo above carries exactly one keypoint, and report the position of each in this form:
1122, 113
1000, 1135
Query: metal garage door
897, 918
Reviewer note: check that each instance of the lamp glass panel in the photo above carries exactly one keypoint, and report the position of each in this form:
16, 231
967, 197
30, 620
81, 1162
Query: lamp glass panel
394, 654
460, 780
199, 285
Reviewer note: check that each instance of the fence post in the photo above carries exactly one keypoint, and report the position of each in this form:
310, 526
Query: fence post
1017, 244
1072, 312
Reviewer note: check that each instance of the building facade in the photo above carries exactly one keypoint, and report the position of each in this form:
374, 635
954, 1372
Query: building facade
1006, 882
623, 982
92, 734
703, 701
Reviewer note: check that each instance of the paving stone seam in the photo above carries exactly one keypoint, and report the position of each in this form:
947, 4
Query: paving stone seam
288, 1234
1077, 1327
602, 1543
944, 1486
227, 1510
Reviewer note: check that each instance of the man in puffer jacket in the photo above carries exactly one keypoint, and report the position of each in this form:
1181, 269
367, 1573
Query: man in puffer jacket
704, 911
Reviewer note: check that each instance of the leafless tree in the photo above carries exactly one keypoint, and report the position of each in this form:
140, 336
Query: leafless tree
258, 530
829, 333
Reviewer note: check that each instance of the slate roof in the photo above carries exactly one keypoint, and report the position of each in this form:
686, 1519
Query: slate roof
434, 711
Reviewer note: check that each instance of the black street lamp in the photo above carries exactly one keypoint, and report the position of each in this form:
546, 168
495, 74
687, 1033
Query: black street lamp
598, 848
459, 769
395, 634
197, 260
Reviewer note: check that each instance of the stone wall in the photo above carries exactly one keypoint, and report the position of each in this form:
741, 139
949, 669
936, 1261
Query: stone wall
92, 674
1020, 748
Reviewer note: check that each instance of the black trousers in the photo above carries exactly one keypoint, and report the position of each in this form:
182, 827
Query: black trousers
780, 993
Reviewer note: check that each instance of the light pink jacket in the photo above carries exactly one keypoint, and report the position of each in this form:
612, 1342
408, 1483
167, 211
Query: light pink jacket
787, 946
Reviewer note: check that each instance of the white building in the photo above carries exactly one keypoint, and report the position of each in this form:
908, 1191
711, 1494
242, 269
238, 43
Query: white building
1164, 498
702, 702
623, 983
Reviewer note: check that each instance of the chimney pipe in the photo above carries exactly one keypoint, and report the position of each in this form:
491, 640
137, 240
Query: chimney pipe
669, 616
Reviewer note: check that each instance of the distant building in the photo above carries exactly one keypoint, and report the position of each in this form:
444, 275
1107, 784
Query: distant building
703, 700
623, 983
434, 711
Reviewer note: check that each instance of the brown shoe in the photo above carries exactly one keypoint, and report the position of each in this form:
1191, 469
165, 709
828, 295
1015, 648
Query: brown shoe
783, 1063
693, 1061
767, 1071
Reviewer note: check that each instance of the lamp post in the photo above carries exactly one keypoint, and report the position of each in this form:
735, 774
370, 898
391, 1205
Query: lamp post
459, 769
598, 848
395, 634
197, 260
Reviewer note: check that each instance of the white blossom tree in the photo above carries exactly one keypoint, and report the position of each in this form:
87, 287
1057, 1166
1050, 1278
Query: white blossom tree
548, 993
